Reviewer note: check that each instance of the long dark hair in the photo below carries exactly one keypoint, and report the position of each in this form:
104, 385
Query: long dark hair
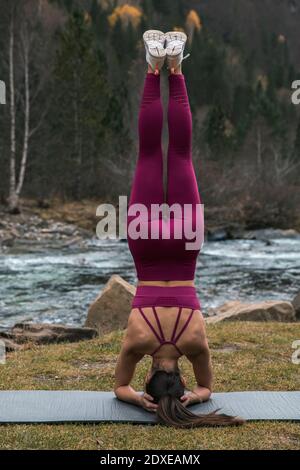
166, 388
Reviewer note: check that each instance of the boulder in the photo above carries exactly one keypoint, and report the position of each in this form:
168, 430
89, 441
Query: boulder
11, 345
271, 310
217, 234
296, 305
110, 310
228, 232
271, 234
44, 333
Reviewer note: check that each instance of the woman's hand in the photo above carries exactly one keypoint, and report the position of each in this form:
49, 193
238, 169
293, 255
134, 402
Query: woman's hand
190, 398
146, 402
198, 395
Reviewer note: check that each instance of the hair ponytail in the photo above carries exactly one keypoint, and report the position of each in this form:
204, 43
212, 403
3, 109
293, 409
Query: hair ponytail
173, 413
166, 388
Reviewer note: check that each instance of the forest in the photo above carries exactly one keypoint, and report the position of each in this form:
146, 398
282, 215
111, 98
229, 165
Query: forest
74, 70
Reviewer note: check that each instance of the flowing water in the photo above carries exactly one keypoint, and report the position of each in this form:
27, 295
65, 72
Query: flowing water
53, 283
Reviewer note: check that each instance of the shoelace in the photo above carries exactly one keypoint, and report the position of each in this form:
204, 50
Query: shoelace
186, 56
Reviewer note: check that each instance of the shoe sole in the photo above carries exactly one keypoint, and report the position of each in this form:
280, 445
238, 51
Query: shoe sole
154, 34
156, 52
173, 35
174, 51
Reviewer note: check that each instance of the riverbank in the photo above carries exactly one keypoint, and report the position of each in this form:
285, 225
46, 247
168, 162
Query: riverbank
81, 214
35, 226
40, 219
246, 356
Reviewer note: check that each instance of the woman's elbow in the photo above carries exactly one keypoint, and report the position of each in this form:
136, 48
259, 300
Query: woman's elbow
117, 390
120, 391
206, 392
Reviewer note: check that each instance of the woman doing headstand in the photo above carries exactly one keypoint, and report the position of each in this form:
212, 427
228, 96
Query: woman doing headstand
166, 320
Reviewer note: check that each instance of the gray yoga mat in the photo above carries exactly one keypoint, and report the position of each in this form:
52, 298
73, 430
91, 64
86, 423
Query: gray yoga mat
36, 406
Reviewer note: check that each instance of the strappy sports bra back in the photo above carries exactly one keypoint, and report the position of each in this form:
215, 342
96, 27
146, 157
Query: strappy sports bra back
160, 334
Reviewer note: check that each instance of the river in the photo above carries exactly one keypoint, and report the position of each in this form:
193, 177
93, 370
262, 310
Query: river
53, 283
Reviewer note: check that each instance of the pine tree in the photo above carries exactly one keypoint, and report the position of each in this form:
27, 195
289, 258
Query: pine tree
241, 115
219, 133
81, 98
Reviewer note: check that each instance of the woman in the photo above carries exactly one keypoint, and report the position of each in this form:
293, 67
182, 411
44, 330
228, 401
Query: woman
166, 321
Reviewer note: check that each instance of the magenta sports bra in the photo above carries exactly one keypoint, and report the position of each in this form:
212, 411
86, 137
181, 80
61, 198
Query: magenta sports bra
160, 335
175, 296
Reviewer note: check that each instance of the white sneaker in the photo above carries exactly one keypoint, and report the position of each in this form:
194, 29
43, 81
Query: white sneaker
154, 41
175, 44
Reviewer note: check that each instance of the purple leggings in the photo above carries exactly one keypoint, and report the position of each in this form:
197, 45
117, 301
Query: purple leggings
148, 181
165, 259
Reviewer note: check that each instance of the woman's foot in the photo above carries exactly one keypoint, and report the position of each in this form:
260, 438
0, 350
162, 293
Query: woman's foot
175, 44
154, 41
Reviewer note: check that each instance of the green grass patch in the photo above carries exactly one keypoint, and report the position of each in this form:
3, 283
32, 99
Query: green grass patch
246, 356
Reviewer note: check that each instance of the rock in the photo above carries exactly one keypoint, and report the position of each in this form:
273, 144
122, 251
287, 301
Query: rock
217, 235
272, 310
11, 346
296, 305
270, 234
110, 310
228, 232
211, 312
43, 204
44, 333
235, 231
9, 241
14, 211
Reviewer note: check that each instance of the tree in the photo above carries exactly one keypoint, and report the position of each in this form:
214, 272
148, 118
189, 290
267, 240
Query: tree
241, 114
26, 82
82, 95
219, 131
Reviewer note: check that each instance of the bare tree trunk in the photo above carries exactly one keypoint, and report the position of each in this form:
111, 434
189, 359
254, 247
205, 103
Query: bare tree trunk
283, 166
13, 198
26, 114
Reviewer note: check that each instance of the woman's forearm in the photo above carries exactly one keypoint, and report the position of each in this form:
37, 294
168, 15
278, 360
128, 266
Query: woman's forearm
128, 394
202, 392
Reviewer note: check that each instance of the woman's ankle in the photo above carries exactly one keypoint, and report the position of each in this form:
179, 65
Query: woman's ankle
150, 71
177, 71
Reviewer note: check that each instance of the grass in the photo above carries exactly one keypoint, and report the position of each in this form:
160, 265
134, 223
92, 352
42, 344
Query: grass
246, 356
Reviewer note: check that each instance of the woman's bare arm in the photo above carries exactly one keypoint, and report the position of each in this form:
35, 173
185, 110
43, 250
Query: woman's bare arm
202, 367
134, 341
124, 373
